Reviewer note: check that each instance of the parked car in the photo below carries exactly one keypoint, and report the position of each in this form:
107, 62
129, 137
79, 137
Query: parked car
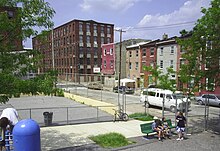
172, 101
95, 86
212, 99
123, 89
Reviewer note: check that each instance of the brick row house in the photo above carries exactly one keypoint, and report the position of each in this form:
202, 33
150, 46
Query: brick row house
75, 49
133, 63
148, 58
162, 53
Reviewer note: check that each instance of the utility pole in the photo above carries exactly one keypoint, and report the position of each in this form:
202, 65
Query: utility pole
119, 71
52, 45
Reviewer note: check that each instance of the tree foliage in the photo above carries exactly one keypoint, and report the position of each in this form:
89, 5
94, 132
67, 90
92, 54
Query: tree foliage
202, 53
161, 80
23, 23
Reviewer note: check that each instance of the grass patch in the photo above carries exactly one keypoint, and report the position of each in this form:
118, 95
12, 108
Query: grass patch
112, 140
141, 116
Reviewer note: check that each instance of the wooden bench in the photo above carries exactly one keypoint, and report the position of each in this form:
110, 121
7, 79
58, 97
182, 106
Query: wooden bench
146, 128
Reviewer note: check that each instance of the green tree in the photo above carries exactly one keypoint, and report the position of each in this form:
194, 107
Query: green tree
161, 80
16, 26
202, 54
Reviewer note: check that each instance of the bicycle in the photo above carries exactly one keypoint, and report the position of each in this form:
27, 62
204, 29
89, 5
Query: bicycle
120, 115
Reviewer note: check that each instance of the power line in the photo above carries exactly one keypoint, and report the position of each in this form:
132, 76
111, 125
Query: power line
162, 26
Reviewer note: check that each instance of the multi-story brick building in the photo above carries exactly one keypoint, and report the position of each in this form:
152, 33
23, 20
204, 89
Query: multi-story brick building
11, 34
133, 62
148, 58
74, 50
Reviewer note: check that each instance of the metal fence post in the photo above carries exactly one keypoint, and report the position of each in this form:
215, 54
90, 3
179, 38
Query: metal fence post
175, 112
67, 115
205, 114
186, 114
163, 105
30, 113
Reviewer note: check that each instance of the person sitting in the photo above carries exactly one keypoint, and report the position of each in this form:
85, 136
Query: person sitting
157, 127
166, 128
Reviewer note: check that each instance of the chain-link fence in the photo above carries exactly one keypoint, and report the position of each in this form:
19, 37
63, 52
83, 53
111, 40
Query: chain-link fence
199, 117
66, 115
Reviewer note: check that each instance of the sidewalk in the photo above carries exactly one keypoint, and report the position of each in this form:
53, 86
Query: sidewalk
75, 137
58, 137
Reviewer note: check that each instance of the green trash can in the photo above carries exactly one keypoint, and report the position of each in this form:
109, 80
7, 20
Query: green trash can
48, 116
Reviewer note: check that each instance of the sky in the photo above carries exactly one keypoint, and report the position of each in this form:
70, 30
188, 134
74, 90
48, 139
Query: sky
146, 19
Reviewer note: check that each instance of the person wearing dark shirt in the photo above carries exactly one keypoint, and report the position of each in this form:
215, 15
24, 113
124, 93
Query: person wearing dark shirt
181, 124
157, 127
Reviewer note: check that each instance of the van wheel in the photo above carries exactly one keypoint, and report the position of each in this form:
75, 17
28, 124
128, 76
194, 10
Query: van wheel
173, 109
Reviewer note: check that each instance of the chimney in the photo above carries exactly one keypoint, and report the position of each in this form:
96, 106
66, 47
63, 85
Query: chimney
165, 36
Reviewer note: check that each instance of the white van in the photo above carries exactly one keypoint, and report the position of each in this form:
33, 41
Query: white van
154, 96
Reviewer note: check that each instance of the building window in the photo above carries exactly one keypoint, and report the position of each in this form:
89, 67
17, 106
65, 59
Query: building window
173, 76
161, 51
88, 39
171, 63
102, 40
108, 40
144, 52
207, 63
210, 84
10, 14
182, 62
111, 51
182, 50
104, 63
95, 28
136, 65
172, 50
112, 63
81, 39
130, 65
151, 51
95, 61
95, 51
87, 27
108, 30
105, 52
95, 39
102, 29
161, 64
130, 54
152, 64
80, 26
88, 61
137, 53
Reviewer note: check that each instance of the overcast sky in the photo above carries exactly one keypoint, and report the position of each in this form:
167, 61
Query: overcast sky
147, 19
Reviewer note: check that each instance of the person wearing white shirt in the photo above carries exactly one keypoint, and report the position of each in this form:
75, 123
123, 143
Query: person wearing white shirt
12, 115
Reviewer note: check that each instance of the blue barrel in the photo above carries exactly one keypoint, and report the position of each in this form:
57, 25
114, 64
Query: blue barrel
26, 136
